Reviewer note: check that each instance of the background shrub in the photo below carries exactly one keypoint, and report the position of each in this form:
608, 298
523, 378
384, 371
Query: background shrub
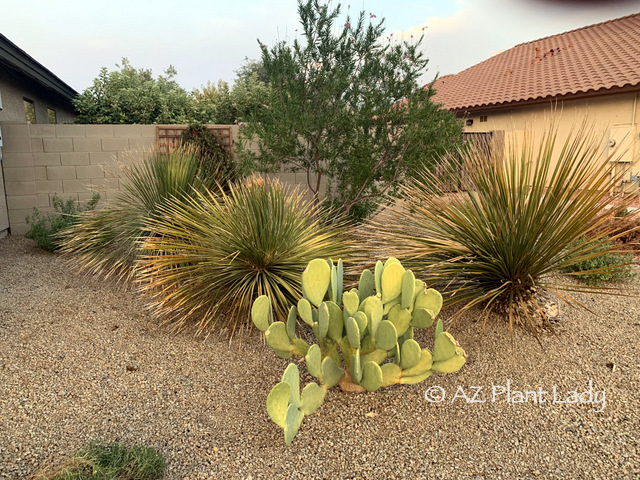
603, 267
209, 257
46, 228
216, 159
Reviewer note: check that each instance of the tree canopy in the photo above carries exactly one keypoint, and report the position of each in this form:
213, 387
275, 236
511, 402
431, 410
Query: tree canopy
345, 106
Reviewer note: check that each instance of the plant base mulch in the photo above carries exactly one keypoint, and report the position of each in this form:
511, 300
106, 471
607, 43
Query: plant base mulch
80, 360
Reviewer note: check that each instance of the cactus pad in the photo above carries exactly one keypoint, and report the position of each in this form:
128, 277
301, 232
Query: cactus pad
366, 284
314, 361
262, 313
387, 336
422, 318
401, 319
422, 366
292, 423
311, 398
315, 281
408, 289
278, 403
391, 281
305, 311
351, 302
277, 338
371, 376
391, 374
331, 372
291, 322
411, 354
431, 300
444, 347
353, 332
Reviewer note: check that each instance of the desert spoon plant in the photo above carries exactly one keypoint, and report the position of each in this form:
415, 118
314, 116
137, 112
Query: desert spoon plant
364, 337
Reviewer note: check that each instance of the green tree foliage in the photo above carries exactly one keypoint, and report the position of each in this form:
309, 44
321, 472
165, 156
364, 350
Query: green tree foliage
345, 105
131, 95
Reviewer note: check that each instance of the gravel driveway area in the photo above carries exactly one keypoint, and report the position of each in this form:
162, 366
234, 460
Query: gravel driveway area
80, 359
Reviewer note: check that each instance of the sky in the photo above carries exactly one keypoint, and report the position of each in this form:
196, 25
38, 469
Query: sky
207, 40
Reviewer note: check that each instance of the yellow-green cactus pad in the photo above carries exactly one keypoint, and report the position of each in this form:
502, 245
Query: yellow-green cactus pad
408, 289
313, 360
305, 311
401, 319
422, 366
336, 325
291, 321
300, 347
311, 398
356, 367
315, 281
444, 347
387, 335
377, 276
278, 403
429, 299
351, 302
292, 423
391, 374
451, 365
261, 313
362, 320
366, 284
378, 356
277, 338
331, 372
391, 281
291, 376
372, 307
353, 332
323, 320
410, 354
416, 378
422, 318
371, 376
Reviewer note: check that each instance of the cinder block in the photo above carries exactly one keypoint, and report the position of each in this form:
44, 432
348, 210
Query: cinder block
42, 130
17, 159
49, 186
22, 201
43, 200
58, 144
75, 186
18, 228
13, 144
19, 174
61, 173
82, 144
102, 158
142, 144
20, 188
37, 145
102, 184
148, 131
74, 158
40, 173
91, 171
99, 131
15, 129
46, 159
126, 131
115, 144
69, 131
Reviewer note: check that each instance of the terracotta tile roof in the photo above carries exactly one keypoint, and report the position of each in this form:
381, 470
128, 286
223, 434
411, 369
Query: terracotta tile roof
592, 58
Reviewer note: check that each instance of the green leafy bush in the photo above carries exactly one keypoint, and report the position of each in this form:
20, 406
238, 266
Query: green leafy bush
514, 221
211, 255
114, 461
606, 264
46, 228
216, 159
108, 241
371, 331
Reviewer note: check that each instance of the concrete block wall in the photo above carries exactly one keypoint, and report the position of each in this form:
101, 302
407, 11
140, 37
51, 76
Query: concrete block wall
70, 160
41, 161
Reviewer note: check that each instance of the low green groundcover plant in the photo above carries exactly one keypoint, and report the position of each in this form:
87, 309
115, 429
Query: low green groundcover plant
370, 328
46, 227
606, 264
112, 461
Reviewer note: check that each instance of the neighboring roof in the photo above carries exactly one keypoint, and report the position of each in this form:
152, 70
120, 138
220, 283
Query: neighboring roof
589, 59
14, 57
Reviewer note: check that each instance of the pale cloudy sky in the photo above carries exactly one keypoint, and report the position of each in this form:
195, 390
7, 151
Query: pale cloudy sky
208, 39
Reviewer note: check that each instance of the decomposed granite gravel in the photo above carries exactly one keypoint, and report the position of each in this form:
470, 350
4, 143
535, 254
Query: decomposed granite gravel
81, 360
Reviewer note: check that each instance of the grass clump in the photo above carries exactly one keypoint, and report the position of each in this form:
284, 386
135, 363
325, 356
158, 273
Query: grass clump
605, 266
210, 256
515, 220
46, 228
113, 461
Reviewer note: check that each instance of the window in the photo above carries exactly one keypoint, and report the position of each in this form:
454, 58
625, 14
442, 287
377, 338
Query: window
483, 118
51, 114
29, 110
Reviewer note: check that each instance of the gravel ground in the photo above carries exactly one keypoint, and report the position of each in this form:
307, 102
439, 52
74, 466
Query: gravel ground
80, 359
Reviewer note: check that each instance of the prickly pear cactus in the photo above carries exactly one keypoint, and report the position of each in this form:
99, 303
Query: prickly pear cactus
370, 328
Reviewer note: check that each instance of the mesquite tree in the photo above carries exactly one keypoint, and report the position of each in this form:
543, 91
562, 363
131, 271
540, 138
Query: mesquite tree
345, 106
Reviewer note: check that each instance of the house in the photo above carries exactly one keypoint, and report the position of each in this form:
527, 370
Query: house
592, 72
28, 92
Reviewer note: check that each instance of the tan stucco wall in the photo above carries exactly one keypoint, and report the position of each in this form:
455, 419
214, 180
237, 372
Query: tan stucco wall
41, 161
615, 117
